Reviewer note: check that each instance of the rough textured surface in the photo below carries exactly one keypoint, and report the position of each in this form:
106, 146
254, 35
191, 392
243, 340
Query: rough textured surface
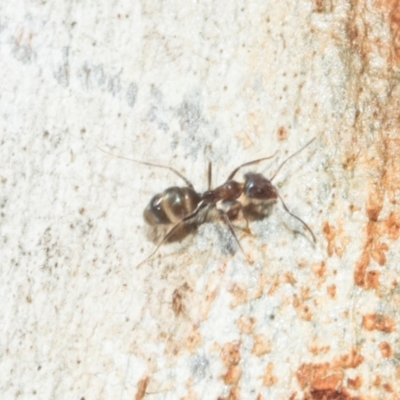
184, 83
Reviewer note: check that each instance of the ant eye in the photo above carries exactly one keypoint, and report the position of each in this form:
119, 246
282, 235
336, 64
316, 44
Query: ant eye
259, 191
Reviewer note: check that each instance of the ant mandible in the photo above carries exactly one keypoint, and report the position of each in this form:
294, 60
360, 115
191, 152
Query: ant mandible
180, 205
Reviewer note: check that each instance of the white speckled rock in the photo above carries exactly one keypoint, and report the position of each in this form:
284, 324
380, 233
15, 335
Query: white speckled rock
183, 83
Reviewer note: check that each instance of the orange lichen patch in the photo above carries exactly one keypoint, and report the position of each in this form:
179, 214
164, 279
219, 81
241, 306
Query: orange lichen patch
171, 346
387, 185
337, 240
377, 381
372, 248
392, 8
374, 203
232, 376
192, 340
230, 354
392, 226
353, 208
325, 380
232, 395
288, 277
319, 376
190, 396
141, 388
261, 345
315, 349
360, 268
246, 324
230, 357
385, 349
258, 290
378, 322
322, 6
239, 295
303, 310
281, 133
372, 279
388, 387
391, 175
329, 233
398, 372
378, 252
331, 290
354, 383
305, 293
319, 269
268, 378
186, 337
274, 286
351, 360
330, 394
302, 263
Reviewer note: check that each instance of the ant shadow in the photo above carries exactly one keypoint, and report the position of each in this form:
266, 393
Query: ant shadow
155, 234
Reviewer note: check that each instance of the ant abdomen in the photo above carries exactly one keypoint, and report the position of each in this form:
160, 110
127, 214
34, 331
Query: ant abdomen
171, 206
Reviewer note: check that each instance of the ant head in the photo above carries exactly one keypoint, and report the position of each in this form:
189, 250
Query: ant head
257, 187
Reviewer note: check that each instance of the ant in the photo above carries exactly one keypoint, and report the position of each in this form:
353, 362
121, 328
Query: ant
177, 205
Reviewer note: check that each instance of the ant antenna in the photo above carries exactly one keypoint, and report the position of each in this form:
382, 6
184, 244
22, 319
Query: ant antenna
151, 165
294, 154
298, 219
248, 163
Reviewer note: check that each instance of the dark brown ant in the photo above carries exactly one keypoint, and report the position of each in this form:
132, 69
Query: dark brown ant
181, 205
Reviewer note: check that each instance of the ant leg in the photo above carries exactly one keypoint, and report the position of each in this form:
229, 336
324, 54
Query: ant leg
232, 208
232, 211
209, 175
151, 165
248, 230
246, 164
299, 219
172, 231
230, 226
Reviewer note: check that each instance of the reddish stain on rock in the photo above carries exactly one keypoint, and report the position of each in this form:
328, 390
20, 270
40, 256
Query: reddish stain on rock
378, 322
281, 133
372, 279
392, 11
232, 395
329, 233
142, 385
319, 377
326, 380
392, 225
351, 360
385, 349
354, 383
230, 356
373, 249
